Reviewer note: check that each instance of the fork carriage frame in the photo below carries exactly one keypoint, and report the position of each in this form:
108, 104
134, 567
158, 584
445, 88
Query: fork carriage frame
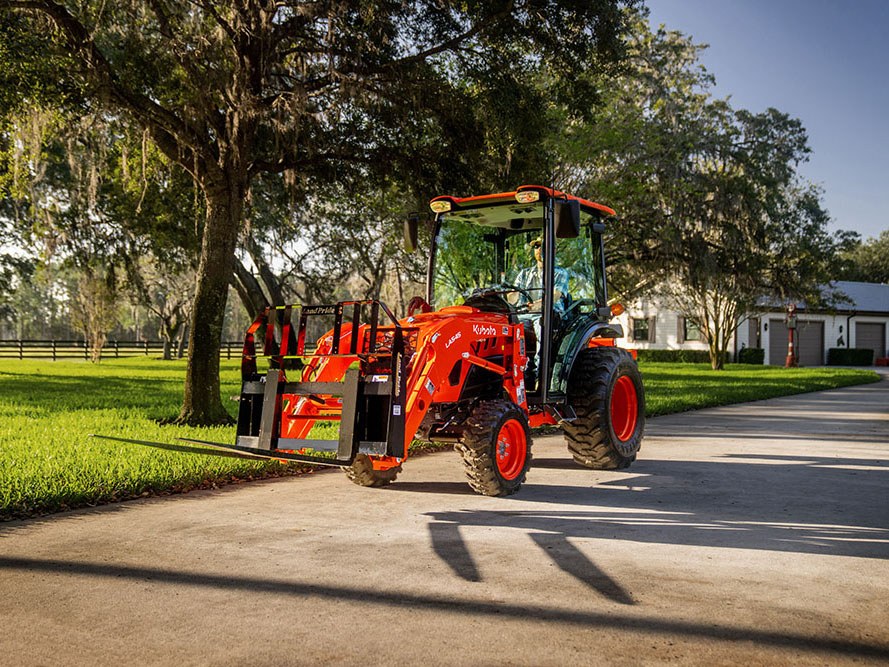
335, 384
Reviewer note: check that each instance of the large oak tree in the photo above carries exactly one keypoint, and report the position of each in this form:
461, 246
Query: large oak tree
317, 91
713, 211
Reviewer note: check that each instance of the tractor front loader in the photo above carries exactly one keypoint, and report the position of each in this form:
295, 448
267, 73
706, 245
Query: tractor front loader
381, 383
514, 332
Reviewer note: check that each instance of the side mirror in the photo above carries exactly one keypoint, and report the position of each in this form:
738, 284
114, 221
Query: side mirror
567, 215
411, 226
608, 312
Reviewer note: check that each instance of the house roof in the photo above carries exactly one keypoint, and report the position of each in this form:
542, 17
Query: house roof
868, 297
871, 298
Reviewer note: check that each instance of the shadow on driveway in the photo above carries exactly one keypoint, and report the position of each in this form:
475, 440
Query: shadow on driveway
468, 607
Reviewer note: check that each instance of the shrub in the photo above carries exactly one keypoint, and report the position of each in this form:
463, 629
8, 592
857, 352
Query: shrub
850, 356
751, 355
675, 356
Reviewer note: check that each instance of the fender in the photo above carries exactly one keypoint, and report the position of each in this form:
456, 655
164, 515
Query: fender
578, 338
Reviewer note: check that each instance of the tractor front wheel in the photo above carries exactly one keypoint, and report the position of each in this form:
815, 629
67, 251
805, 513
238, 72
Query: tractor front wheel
605, 390
363, 473
496, 448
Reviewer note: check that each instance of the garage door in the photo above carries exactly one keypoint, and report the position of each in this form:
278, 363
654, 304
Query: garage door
809, 342
871, 335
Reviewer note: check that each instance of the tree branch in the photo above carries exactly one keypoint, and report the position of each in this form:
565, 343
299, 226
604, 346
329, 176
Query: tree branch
150, 113
197, 79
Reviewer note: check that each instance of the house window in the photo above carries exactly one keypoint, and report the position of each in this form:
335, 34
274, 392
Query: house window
692, 330
687, 330
643, 329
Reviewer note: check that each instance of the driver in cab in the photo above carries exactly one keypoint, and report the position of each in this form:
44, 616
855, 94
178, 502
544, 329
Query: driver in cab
530, 279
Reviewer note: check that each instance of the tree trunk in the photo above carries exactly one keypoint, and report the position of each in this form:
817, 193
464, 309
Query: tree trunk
268, 277
249, 289
202, 405
183, 338
717, 360
169, 331
97, 342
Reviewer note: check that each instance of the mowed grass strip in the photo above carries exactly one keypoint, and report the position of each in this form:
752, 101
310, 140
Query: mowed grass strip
671, 388
49, 462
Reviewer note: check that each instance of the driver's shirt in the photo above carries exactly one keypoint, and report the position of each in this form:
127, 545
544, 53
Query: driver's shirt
532, 278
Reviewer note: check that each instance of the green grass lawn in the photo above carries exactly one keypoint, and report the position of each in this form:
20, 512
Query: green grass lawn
673, 388
49, 462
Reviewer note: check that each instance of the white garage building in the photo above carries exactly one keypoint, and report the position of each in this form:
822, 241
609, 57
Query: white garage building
862, 322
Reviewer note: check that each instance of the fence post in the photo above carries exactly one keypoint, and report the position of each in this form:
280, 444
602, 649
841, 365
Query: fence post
116, 350
86, 351
53, 349
21, 350
146, 347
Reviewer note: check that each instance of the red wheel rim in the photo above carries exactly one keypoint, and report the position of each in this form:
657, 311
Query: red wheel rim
512, 448
624, 408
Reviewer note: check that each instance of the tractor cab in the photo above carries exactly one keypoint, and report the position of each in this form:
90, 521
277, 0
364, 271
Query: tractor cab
537, 256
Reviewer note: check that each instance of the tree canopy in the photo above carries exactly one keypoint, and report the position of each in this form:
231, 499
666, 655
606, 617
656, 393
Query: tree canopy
711, 207
317, 92
868, 261
274, 147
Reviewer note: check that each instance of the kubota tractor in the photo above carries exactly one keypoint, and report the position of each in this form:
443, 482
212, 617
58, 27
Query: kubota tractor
513, 333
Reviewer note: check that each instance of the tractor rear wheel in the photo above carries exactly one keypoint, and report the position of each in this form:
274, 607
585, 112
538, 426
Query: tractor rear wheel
496, 448
363, 473
605, 390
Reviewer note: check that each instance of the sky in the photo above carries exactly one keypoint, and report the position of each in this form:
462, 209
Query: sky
825, 62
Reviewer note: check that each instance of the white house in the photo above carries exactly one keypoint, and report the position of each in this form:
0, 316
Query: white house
651, 324
863, 322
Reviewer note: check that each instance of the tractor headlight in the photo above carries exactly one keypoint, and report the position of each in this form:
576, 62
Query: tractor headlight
527, 196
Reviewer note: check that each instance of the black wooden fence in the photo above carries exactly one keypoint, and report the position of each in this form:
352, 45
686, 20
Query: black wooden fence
78, 349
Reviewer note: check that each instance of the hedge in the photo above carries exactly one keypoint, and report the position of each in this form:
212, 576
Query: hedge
751, 355
675, 356
850, 356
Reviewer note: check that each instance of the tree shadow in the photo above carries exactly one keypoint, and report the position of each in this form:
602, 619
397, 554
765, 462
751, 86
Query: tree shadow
808, 504
473, 607
804, 504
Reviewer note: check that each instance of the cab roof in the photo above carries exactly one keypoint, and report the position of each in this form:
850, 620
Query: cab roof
461, 203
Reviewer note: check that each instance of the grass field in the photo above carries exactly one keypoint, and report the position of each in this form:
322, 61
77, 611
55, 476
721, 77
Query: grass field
673, 388
49, 462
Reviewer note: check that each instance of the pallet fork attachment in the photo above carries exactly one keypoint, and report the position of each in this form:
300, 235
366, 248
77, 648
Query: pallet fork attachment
276, 415
205, 447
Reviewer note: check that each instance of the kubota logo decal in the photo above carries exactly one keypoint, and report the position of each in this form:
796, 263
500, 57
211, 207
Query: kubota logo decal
483, 330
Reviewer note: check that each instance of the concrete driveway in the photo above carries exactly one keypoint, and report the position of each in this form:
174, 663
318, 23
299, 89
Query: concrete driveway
755, 534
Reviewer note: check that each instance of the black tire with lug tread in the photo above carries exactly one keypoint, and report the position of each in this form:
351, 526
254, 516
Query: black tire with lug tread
363, 474
602, 388
496, 448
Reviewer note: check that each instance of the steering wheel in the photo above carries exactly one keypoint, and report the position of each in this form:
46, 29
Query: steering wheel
500, 290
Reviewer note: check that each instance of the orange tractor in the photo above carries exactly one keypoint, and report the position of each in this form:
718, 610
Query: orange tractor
513, 333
